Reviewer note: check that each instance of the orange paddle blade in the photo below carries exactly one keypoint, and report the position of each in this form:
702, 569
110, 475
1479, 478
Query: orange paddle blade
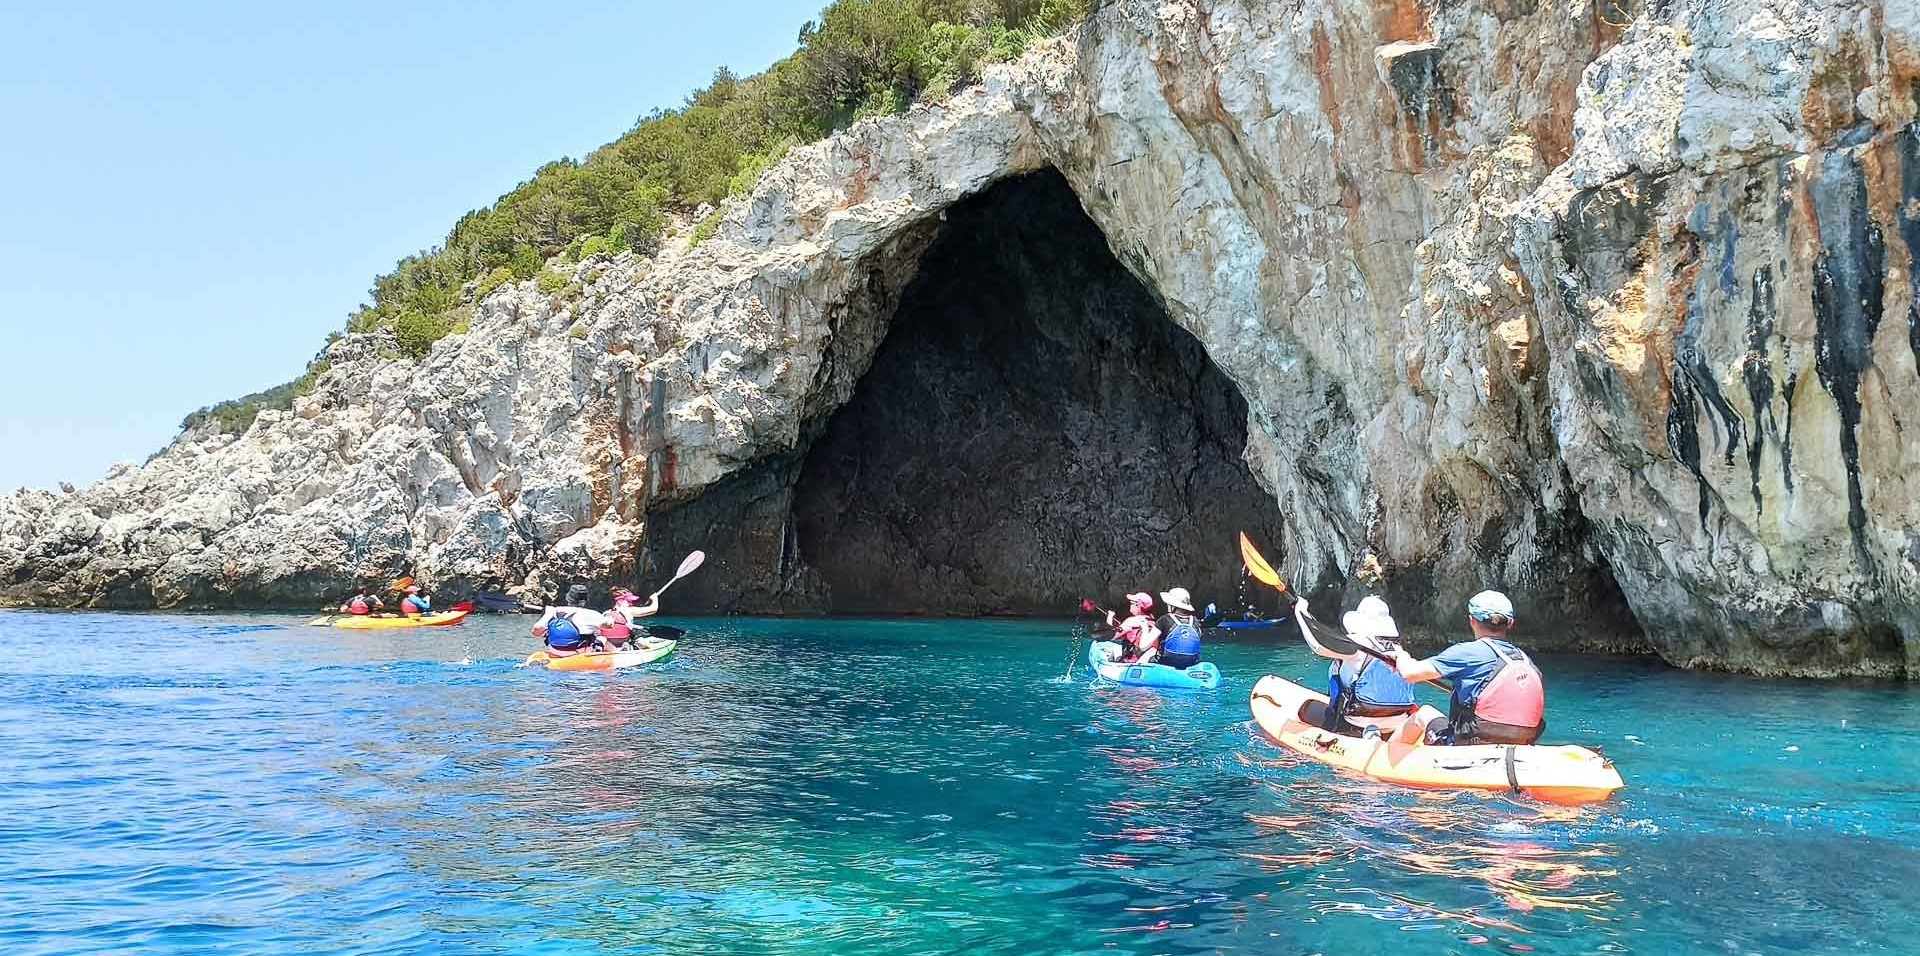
1258, 566
401, 584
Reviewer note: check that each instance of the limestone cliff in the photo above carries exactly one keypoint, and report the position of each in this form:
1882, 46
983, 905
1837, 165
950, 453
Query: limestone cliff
1609, 305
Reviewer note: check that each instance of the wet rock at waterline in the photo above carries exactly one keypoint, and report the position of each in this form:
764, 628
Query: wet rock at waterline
1608, 306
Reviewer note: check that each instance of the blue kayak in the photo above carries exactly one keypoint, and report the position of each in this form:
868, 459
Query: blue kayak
1201, 676
1251, 625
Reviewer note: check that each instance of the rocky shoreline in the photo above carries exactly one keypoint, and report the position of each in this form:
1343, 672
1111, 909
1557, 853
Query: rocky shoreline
1613, 311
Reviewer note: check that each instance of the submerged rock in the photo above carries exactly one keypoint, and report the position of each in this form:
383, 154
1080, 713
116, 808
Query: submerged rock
1612, 311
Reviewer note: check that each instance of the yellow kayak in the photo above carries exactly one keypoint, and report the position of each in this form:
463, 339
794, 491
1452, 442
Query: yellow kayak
1563, 774
381, 622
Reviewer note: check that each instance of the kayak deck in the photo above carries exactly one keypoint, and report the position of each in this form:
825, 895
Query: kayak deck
1102, 658
373, 622
1555, 774
606, 661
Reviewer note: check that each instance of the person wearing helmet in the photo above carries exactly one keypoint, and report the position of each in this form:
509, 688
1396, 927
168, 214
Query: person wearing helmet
1135, 634
1359, 685
415, 603
569, 629
616, 625
1498, 694
1178, 632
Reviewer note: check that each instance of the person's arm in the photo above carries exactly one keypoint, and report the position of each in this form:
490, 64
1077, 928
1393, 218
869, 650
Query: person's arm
1300, 613
1415, 669
652, 607
540, 626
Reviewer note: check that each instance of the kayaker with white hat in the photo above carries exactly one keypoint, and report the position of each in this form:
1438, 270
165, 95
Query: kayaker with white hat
1359, 684
1498, 695
1179, 644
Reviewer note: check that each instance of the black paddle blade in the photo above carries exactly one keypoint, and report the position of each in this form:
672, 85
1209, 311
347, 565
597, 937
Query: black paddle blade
664, 632
1340, 643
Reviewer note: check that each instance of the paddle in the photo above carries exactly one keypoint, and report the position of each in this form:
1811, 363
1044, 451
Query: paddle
688, 565
1327, 637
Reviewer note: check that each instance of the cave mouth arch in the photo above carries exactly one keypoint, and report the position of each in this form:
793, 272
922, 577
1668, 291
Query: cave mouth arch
1032, 429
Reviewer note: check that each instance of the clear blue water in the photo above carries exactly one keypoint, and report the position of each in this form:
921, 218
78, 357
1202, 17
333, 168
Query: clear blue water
244, 784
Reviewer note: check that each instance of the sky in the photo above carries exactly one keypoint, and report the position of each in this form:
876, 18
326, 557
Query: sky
192, 195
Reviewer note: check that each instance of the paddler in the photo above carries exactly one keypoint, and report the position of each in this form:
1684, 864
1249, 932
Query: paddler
1359, 684
1178, 631
363, 602
569, 628
415, 603
616, 625
1137, 632
1498, 694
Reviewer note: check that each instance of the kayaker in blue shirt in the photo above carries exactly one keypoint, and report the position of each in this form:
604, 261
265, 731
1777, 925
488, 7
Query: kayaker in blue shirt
415, 603
1179, 642
1498, 694
1359, 685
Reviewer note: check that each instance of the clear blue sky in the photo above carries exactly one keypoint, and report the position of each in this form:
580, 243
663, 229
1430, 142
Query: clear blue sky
195, 194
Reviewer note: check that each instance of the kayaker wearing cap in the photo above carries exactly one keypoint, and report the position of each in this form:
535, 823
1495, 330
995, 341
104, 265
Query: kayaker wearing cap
1498, 695
568, 629
616, 626
363, 602
1135, 634
1359, 684
415, 603
1179, 632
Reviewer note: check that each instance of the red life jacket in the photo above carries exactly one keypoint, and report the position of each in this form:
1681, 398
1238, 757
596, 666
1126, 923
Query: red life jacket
358, 606
1516, 696
614, 627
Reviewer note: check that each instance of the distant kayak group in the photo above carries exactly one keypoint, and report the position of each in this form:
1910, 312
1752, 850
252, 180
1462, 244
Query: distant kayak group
1369, 720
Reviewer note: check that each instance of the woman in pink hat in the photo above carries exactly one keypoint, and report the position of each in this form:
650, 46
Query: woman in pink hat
1137, 634
616, 626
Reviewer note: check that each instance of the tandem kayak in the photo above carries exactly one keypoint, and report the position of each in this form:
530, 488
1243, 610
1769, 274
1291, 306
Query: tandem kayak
1101, 657
1563, 774
381, 622
609, 661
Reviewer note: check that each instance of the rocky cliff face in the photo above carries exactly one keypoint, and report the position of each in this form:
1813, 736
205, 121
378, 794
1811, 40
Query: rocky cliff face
1608, 305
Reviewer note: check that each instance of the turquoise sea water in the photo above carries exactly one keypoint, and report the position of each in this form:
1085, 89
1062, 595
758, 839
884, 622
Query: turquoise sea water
244, 784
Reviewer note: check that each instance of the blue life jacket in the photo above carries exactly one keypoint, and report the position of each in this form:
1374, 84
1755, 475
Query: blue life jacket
563, 634
1367, 682
1182, 638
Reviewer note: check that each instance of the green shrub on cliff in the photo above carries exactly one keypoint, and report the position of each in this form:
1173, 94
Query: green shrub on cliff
860, 58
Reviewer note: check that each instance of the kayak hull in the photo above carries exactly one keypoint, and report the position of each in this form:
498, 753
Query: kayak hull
370, 622
1101, 657
1249, 625
611, 661
1566, 775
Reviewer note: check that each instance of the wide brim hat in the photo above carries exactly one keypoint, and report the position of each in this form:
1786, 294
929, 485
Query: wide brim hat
1370, 619
1177, 598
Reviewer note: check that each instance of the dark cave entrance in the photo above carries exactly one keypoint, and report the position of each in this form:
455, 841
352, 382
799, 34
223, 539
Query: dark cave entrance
1033, 429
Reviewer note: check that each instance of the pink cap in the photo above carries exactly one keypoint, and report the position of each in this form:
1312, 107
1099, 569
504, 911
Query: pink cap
1141, 600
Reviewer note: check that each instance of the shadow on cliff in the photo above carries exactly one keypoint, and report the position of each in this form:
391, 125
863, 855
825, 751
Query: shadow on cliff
1033, 429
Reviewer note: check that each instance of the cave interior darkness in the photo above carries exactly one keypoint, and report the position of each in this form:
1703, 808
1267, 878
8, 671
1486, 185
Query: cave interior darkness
1033, 429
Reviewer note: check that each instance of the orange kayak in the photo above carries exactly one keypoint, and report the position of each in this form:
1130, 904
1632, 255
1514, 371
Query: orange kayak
1563, 774
606, 661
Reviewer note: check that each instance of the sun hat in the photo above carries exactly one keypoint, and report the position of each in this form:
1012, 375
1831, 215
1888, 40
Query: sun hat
413, 588
1370, 619
1141, 600
1490, 607
1177, 598
624, 596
